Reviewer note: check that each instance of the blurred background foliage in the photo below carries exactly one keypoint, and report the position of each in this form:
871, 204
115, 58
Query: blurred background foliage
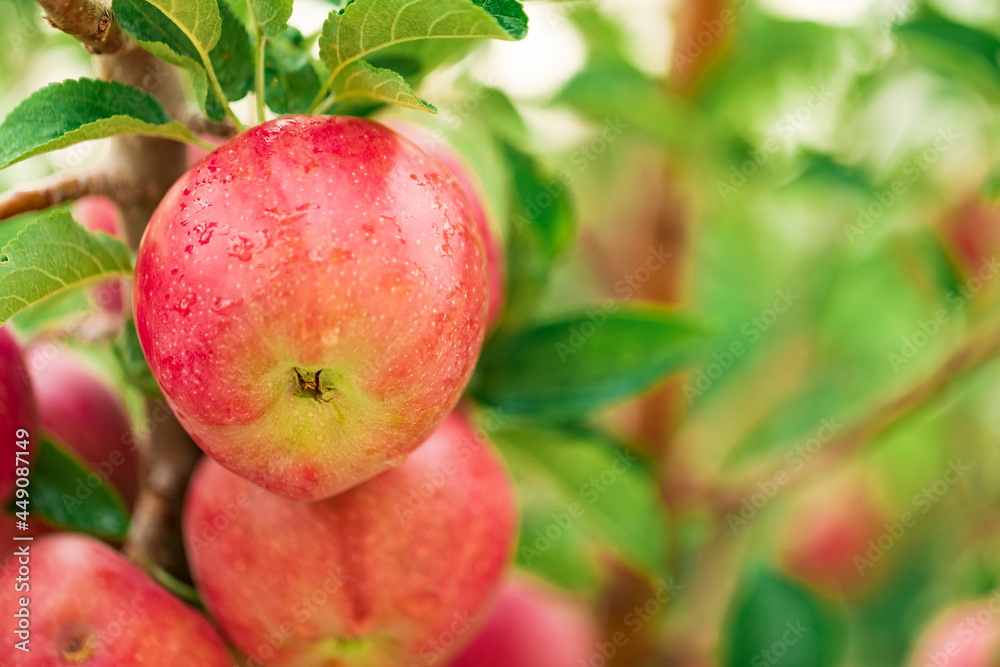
822, 178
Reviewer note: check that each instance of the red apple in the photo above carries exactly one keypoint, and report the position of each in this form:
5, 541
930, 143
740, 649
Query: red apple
396, 570
17, 413
532, 626
311, 298
436, 147
88, 606
965, 635
830, 538
79, 410
100, 214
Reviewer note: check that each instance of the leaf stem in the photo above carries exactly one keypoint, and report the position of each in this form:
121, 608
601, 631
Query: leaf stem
322, 102
217, 87
259, 94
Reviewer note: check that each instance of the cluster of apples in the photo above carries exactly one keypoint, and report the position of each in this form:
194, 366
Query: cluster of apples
312, 298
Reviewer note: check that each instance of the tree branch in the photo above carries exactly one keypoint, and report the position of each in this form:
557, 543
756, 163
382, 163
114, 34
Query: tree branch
89, 21
55, 190
977, 349
145, 168
155, 535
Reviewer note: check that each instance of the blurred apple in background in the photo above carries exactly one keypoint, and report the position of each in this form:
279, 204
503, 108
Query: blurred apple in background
100, 214
17, 411
87, 605
80, 411
837, 537
963, 635
533, 626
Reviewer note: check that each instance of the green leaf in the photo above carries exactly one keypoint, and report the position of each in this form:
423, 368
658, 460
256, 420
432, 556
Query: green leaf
291, 81
67, 113
365, 26
157, 33
54, 254
69, 494
232, 60
272, 15
604, 487
776, 616
199, 20
133, 362
569, 368
549, 545
231, 56
415, 60
362, 79
955, 48
542, 227
619, 96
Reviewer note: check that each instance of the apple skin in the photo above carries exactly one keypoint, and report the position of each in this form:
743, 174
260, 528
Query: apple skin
829, 529
100, 214
963, 635
311, 298
90, 607
393, 572
496, 265
17, 410
80, 411
532, 626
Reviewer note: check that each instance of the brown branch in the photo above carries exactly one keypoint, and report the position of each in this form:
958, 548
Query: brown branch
89, 21
155, 535
55, 190
144, 169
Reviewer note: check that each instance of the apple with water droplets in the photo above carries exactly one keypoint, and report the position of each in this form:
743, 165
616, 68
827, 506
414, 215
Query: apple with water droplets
397, 571
533, 626
312, 300
439, 149
83, 604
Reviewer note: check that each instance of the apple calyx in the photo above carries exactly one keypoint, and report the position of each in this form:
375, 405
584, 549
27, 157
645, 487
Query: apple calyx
321, 385
78, 645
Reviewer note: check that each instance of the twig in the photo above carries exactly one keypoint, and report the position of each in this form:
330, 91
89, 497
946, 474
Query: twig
978, 349
89, 21
155, 539
55, 190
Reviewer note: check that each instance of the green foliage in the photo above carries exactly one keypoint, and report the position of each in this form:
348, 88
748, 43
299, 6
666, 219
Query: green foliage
602, 486
271, 16
542, 229
776, 619
362, 79
70, 495
53, 254
228, 53
292, 82
63, 114
365, 26
132, 361
569, 368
